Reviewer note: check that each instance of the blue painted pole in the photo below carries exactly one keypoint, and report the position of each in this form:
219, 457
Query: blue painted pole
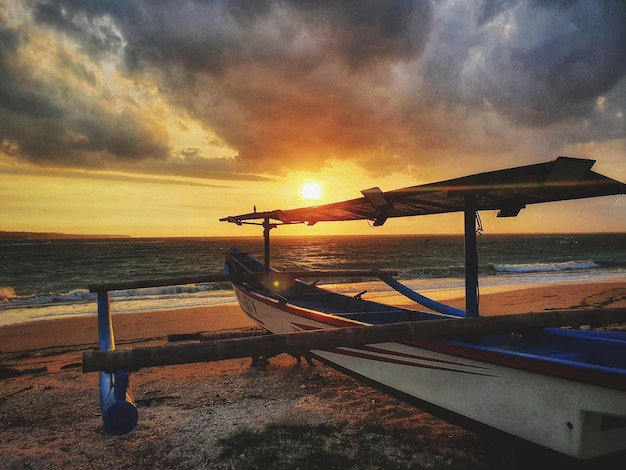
421, 299
119, 412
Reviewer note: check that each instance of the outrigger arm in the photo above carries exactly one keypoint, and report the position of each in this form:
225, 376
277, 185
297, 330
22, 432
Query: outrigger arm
325, 339
421, 299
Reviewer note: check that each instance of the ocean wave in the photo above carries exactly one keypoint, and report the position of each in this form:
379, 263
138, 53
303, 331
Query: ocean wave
501, 269
543, 267
490, 269
9, 298
173, 290
12, 300
78, 295
83, 302
433, 272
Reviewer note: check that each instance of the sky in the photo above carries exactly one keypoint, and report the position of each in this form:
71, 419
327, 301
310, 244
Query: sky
156, 118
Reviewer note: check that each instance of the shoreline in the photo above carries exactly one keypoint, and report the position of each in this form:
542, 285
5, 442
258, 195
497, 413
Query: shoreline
50, 413
81, 329
122, 304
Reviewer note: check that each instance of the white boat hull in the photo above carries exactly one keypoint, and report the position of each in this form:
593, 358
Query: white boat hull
569, 417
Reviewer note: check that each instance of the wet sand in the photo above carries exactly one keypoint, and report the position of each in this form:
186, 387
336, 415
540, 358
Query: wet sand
50, 415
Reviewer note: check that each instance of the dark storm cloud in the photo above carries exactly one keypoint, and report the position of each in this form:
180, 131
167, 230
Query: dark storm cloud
559, 57
87, 138
96, 38
214, 35
16, 96
288, 84
47, 117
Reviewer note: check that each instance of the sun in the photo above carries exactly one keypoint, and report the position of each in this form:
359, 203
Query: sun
311, 191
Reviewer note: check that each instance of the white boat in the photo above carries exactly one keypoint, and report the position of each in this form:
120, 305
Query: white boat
560, 388
564, 389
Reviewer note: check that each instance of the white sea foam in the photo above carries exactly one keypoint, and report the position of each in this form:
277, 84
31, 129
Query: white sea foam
82, 302
544, 267
7, 293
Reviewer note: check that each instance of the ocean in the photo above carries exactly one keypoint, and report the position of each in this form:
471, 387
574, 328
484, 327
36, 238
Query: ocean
45, 279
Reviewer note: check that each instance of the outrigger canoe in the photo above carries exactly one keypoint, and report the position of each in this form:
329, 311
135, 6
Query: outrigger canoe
524, 376
564, 389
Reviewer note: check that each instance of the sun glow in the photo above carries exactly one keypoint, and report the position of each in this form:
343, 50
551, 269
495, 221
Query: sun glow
311, 191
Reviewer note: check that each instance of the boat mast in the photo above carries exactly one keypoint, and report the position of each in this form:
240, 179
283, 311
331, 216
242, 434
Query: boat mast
267, 226
471, 257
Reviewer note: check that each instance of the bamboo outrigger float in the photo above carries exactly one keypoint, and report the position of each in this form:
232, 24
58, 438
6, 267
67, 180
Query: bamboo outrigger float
564, 389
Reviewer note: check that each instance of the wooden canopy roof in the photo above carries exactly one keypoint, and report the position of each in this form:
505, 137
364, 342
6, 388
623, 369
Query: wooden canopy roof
507, 191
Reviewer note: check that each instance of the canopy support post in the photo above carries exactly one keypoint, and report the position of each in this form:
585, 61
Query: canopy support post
471, 257
267, 226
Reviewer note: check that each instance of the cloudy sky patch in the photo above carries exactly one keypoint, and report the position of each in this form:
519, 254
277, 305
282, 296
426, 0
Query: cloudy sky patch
256, 90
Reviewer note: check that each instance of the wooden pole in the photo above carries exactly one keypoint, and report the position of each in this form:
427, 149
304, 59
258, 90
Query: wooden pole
471, 257
325, 339
267, 226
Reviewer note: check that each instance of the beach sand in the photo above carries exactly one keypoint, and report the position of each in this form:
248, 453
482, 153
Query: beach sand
50, 415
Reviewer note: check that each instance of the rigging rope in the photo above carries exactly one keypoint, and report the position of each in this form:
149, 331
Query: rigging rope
479, 225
